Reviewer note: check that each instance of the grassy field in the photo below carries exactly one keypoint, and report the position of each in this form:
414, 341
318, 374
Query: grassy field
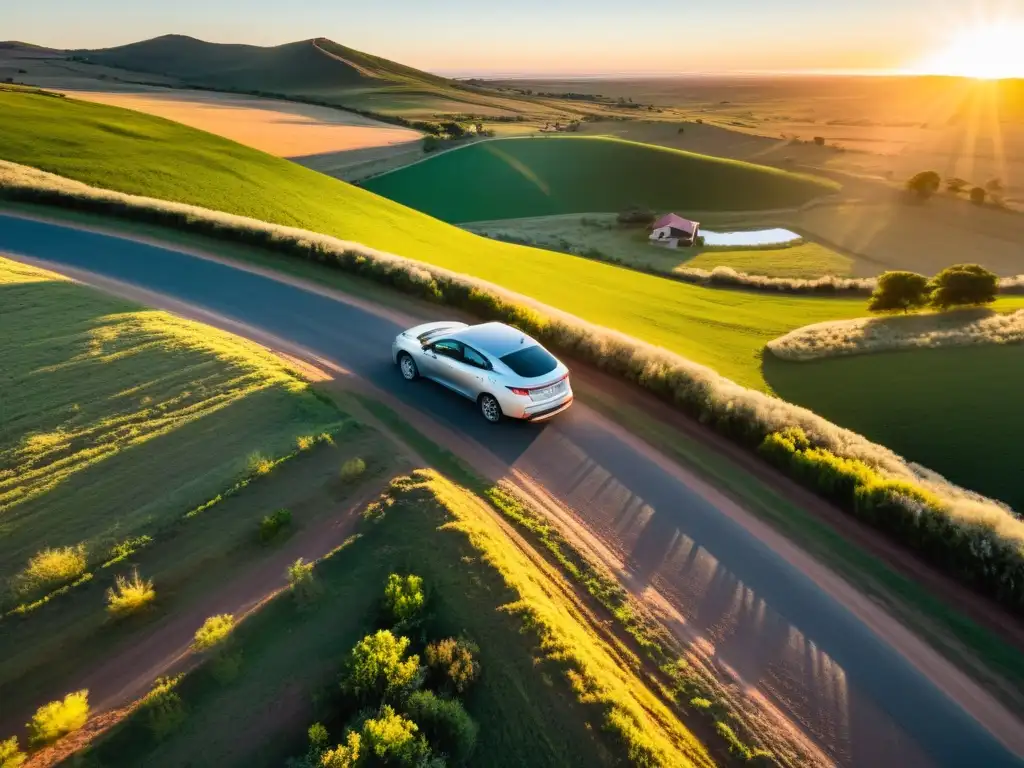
481, 588
98, 393
601, 237
552, 175
96, 143
957, 410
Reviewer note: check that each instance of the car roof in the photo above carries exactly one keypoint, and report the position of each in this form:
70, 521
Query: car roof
495, 339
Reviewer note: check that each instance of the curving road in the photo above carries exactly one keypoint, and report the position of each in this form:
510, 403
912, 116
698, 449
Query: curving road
859, 699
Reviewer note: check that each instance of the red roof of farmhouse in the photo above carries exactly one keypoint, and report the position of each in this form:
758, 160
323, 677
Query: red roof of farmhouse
676, 222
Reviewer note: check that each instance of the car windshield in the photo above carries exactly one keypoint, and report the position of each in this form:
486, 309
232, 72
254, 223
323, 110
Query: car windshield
530, 362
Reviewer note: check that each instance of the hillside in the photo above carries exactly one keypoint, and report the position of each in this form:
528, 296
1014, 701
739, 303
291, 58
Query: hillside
302, 67
553, 175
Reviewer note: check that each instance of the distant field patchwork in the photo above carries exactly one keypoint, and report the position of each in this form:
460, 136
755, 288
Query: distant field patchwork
118, 419
548, 176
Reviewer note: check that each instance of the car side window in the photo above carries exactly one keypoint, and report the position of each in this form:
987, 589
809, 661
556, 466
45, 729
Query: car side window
474, 358
449, 348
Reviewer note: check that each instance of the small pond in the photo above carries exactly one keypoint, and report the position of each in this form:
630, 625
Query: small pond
753, 237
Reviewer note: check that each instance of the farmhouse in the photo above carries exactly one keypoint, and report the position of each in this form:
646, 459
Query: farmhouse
672, 231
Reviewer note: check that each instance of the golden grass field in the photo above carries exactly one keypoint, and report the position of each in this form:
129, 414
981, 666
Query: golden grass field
282, 128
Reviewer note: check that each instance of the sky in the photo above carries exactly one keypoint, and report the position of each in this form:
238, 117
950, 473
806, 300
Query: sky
554, 37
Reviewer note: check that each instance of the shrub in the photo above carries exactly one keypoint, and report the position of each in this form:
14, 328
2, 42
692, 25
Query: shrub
391, 739
978, 195
302, 582
10, 755
924, 184
378, 668
964, 285
352, 470
304, 442
445, 723
403, 597
272, 524
899, 290
636, 214
700, 704
215, 632
58, 718
51, 568
258, 464
129, 596
345, 755
163, 709
956, 184
431, 143
819, 140
454, 662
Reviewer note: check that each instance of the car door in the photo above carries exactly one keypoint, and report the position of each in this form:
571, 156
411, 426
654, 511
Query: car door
442, 359
475, 371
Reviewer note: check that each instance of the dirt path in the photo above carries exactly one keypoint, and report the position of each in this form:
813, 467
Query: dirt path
955, 683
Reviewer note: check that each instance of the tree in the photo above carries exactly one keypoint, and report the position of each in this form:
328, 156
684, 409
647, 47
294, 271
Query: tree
964, 285
345, 755
403, 597
454, 662
899, 290
955, 184
445, 723
924, 184
392, 739
377, 667
978, 195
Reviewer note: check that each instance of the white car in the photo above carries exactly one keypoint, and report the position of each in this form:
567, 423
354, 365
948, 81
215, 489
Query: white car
503, 370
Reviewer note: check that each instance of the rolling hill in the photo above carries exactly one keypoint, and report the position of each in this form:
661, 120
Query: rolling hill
310, 67
554, 175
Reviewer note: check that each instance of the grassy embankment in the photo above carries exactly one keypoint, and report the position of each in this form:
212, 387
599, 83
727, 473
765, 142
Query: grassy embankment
534, 650
131, 437
550, 176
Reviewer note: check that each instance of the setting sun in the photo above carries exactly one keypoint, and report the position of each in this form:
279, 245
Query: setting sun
987, 52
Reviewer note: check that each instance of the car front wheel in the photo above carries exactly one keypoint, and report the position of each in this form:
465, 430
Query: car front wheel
490, 409
408, 367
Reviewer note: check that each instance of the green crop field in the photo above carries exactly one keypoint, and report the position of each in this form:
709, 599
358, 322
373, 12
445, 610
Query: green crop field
292, 657
117, 419
958, 411
552, 175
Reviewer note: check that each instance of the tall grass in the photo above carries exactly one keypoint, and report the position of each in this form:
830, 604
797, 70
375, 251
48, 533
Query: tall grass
986, 543
881, 334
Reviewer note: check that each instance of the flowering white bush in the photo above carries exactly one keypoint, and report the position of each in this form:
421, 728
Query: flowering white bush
880, 334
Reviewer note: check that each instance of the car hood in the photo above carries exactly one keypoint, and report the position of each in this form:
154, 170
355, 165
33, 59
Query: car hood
416, 330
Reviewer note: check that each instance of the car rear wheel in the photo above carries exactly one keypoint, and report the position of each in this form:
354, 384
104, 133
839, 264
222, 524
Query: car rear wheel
408, 367
490, 409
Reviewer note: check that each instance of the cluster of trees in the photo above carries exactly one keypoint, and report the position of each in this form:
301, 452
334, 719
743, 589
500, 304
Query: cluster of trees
449, 130
960, 285
572, 126
404, 707
927, 183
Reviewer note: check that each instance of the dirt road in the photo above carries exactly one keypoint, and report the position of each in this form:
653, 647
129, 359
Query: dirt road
794, 634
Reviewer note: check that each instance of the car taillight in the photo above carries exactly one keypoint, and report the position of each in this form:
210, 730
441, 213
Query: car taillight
519, 391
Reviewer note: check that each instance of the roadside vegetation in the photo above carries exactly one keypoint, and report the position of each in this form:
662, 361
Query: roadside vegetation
489, 656
983, 540
549, 176
97, 393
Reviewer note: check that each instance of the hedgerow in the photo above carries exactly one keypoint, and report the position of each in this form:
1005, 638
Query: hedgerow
982, 541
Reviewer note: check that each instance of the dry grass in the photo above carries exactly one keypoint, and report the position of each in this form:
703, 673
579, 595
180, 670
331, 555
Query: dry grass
882, 334
282, 128
744, 415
